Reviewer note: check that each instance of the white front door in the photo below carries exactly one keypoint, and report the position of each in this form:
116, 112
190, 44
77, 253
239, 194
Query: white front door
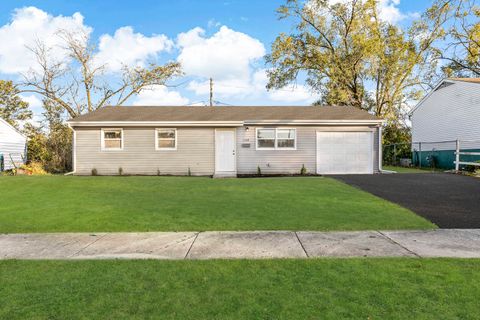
344, 152
224, 150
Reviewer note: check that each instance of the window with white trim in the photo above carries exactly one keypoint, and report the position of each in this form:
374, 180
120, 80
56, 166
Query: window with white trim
276, 138
286, 138
112, 139
166, 139
265, 138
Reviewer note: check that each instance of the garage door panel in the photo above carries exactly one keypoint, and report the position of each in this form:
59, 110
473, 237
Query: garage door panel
344, 152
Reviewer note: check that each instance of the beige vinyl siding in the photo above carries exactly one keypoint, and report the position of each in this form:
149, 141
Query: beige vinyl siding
195, 150
288, 161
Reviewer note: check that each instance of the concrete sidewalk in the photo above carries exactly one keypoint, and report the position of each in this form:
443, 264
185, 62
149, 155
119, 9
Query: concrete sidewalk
461, 243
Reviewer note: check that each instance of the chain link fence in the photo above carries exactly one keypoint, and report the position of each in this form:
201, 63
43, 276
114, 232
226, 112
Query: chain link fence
397, 154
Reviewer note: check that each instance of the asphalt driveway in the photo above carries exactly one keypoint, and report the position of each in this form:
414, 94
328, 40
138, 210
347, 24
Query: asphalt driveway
448, 200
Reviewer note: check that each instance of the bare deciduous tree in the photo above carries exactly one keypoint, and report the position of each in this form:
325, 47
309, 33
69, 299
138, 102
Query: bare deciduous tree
77, 83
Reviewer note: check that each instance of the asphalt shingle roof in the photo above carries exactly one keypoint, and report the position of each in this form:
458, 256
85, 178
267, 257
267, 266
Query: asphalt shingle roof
155, 113
472, 80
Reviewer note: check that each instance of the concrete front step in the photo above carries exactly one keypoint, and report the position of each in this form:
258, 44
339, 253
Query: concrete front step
459, 243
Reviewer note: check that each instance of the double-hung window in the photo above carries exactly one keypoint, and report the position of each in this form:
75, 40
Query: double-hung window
265, 138
286, 138
112, 139
166, 139
276, 139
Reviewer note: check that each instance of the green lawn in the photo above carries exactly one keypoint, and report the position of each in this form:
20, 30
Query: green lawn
93, 204
241, 289
409, 170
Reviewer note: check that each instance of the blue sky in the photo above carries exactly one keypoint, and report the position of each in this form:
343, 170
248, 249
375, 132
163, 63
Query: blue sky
241, 31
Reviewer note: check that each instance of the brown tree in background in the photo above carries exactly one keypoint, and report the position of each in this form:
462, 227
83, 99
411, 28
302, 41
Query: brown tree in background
78, 85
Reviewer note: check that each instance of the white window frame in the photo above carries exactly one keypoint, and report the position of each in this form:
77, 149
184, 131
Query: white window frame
276, 147
157, 147
102, 133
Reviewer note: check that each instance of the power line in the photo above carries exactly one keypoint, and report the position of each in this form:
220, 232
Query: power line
241, 87
223, 103
202, 101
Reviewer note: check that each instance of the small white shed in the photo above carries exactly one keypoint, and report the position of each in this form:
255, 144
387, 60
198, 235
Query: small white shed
12, 145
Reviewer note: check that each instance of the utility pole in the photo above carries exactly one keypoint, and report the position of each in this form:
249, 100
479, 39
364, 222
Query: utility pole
211, 92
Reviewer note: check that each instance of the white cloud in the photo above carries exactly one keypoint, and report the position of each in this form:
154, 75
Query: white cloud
297, 93
252, 89
160, 95
222, 88
34, 102
388, 10
228, 54
27, 25
128, 48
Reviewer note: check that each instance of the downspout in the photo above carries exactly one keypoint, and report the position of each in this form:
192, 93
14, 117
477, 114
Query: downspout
74, 161
380, 153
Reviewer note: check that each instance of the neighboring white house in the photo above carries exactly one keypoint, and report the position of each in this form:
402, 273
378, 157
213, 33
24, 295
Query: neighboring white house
450, 112
12, 145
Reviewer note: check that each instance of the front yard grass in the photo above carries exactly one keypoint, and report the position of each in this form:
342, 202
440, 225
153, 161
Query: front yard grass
94, 204
411, 169
241, 289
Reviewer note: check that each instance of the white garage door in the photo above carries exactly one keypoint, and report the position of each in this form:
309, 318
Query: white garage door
344, 152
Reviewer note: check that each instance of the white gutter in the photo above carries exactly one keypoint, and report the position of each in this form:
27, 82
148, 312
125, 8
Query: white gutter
313, 122
156, 123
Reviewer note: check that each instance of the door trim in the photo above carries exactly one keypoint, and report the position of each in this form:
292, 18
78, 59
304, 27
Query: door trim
234, 149
372, 151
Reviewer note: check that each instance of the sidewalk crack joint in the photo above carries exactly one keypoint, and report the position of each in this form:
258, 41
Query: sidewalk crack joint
196, 236
88, 245
398, 244
301, 244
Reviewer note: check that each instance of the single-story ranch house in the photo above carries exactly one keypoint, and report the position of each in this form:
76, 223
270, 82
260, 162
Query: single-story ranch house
450, 112
225, 141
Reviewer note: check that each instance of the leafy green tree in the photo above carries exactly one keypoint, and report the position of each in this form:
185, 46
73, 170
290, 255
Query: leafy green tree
396, 142
330, 45
59, 142
12, 107
37, 150
462, 52
51, 144
352, 57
